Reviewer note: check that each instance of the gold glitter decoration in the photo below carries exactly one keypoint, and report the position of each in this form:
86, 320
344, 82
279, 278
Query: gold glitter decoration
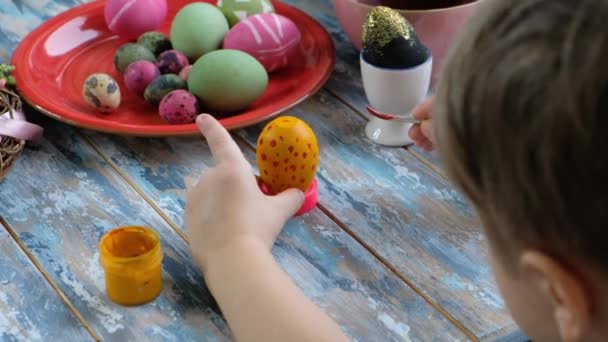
384, 24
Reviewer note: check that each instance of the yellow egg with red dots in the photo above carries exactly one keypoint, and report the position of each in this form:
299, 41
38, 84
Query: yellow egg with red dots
287, 154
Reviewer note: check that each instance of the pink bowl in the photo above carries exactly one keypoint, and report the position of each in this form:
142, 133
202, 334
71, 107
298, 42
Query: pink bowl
437, 28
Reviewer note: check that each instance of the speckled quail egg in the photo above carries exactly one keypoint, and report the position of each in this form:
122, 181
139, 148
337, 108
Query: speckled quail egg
101, 92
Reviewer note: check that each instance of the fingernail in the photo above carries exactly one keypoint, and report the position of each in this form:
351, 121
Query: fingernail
203, 120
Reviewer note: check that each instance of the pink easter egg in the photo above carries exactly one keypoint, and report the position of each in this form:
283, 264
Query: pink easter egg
139, 75
271, 38
131, 18
185, 72
179, 107
172, 62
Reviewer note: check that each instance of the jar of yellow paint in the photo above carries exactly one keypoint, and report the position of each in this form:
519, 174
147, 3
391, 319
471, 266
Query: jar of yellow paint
131, 258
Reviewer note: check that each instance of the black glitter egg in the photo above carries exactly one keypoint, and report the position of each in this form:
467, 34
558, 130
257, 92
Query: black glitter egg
389, 40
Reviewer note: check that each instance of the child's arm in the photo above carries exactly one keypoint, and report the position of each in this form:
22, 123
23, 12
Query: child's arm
260, 301
422, 134
232, 226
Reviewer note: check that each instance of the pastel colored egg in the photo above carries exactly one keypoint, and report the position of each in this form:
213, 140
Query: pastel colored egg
129, 53
179, 107
131, 18
271, 38
237, 10
100, 91
162, 86
287, 154
172, 62
197, 29
185, 72
139, 75
155, 42
227, 81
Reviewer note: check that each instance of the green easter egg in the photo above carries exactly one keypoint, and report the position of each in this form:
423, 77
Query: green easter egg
197, 29
155, 42
237, 10
162, 86
227, 81
129, 53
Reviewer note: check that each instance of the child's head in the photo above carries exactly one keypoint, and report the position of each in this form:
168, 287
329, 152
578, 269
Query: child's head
522, 127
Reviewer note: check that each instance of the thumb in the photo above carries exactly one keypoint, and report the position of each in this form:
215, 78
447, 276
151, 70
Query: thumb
289, 202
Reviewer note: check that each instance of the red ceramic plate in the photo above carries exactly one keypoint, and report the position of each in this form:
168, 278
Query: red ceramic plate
54, 60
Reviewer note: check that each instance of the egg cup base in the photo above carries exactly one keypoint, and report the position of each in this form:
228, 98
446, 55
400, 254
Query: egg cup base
311, 196
393, 133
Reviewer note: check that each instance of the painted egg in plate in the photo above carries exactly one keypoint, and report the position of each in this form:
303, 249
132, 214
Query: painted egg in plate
237, 10
271, 38
53, 61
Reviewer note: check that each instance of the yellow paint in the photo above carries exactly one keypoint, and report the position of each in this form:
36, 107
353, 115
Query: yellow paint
287, 154
131, 258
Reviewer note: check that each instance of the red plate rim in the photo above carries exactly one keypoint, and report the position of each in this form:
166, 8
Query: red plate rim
22, 53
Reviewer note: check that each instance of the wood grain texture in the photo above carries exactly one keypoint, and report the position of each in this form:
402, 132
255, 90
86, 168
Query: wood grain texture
19, 17
60, 199
30, 310
507, 334
431, 159
409, 215
363, 296
66, 197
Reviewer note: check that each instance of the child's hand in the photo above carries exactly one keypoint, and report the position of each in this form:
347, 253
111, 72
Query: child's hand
422, 134
231, 226
226, 211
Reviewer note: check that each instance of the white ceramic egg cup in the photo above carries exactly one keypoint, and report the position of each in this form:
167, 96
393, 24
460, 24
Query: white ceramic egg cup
394, 92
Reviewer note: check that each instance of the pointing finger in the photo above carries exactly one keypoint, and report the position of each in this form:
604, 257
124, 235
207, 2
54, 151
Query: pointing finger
222, 146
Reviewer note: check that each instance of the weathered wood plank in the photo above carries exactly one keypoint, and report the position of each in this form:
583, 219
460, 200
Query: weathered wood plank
19, 17
408, 214
430, 158
30, 310
364, 297
60, 199
507, 334
61, 216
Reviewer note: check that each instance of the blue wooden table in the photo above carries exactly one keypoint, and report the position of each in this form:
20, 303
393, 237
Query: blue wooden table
392, 253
